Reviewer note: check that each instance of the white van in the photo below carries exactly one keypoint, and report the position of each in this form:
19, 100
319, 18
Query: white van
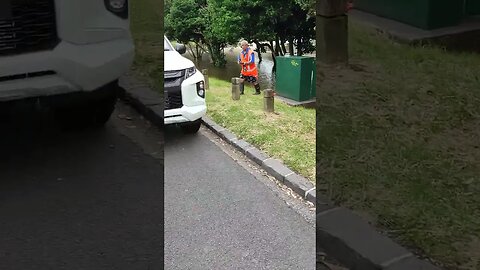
184, 90
67, 55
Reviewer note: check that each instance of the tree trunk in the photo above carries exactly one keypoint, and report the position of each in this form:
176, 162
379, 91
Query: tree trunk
211, 54
278, 49
290, 46
282, 44
299, 46
191, 51
272, 49
218, 58
199, 53
270, 46
202, 48
259, 50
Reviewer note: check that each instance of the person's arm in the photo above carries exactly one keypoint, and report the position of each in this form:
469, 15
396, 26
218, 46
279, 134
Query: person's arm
238, 58
252, 59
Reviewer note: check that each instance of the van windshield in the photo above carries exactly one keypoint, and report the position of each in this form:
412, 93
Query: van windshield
166, 45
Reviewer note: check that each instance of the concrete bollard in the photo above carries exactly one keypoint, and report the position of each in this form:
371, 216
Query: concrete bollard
205, 75
236, 85
268, 100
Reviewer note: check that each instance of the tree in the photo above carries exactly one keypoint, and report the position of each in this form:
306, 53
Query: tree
267, 23
308, 5
183, 22
223, 24
279, 21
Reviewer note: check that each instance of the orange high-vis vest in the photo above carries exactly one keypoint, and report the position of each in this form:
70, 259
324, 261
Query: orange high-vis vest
249, 69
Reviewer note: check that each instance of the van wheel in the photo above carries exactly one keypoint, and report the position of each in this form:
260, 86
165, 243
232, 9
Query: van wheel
192, 127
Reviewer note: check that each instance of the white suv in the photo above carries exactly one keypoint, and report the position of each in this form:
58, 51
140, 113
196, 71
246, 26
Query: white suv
64, 54
184, 90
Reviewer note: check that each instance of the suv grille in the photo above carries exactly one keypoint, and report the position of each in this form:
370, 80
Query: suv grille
171, 76
173, 100
31, 27
173, 89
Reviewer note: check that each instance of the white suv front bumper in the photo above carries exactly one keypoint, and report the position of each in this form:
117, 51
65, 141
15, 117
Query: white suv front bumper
194, 107
83, 67
184, 114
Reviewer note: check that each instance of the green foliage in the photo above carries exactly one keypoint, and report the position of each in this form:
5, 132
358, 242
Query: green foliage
308, 5
183, 21
218, 23
224, 21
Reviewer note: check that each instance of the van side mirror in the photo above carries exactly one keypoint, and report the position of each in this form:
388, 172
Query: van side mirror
180, 48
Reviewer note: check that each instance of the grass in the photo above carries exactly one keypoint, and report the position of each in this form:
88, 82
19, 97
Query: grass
147, 29
288, 134
399, 141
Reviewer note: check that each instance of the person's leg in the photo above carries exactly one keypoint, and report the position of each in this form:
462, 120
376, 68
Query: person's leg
257, 86
242, 81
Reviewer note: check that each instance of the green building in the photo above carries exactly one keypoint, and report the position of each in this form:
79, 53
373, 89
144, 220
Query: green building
425, 14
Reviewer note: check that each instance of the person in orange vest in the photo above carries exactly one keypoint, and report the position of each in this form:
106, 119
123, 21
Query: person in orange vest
249, 72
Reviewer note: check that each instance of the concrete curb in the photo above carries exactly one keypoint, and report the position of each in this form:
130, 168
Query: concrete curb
149, 103
463, 37
274, 167
358, 245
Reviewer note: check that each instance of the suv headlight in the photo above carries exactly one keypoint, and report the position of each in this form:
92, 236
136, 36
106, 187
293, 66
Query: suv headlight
118, 7
201, 89
190, 71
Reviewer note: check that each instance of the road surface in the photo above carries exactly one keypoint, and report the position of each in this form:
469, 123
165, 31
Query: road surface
93, 199
87, 199
221, 212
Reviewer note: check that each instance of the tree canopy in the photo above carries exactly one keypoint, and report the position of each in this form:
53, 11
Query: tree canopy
218, 23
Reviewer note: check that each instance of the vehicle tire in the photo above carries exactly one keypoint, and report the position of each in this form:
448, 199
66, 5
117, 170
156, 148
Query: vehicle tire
102, 111
92, 114
192, 127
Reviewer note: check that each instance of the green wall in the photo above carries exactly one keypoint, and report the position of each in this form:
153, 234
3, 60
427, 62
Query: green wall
425, 14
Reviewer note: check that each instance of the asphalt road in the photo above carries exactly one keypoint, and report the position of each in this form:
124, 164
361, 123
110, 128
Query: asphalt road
93, 199
87, 199
221, 212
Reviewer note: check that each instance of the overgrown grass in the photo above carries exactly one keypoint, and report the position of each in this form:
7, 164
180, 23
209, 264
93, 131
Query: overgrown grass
288, 134
147, 29
399, 141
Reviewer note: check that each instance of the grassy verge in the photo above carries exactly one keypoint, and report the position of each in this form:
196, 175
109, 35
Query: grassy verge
399, 141
288, 135
147, 30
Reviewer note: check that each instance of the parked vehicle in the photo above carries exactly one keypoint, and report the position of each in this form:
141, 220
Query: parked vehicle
184, 89
67, 55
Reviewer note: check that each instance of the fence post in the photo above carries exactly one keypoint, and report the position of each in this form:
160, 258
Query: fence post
268, 100
236, 84
332, 31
